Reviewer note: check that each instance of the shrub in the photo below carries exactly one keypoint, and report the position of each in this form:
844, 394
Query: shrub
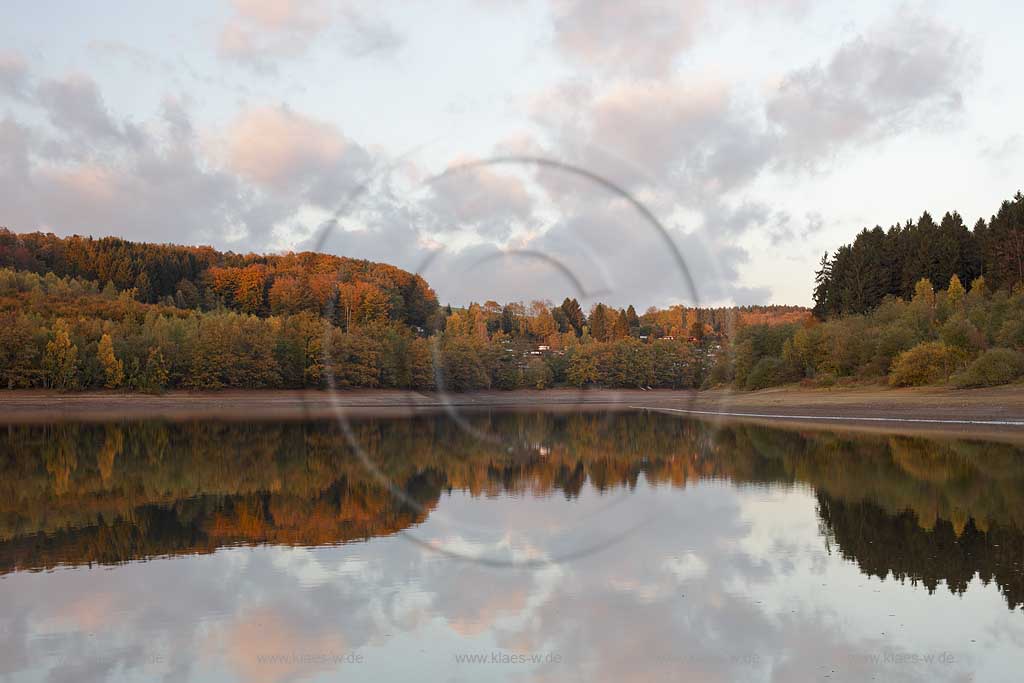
826, 380
767, 372
926, 363
959, 332
890, 341
1011, 334
995, 366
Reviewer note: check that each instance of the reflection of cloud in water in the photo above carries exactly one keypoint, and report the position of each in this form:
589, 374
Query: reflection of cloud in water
759, 557
709, 590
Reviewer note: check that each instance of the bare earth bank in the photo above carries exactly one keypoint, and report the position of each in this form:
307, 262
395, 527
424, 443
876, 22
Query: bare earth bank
997, 411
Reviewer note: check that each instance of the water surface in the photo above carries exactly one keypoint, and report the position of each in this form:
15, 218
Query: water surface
530, 547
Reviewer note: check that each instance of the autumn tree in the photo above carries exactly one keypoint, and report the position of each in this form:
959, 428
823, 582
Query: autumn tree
620, 328
360, 303
61, 359
600, 325
543, 325
113, 368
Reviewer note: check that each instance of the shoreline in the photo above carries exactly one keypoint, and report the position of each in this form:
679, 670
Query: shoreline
978, 413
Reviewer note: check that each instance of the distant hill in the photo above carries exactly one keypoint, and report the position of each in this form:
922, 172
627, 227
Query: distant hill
191, 277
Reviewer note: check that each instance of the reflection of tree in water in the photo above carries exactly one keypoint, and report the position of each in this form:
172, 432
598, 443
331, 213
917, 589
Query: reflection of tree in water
882, 545
107, 494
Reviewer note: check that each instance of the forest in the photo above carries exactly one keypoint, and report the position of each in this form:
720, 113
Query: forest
80, 314
889, 263
879, 318
921, 303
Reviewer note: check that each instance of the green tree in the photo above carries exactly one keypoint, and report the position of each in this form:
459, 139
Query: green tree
574, 314
538, 374
19, 353
582, 369
421, 364
463, 369
155, 376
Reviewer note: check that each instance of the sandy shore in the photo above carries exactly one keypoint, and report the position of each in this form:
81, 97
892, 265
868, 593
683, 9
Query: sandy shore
997, 411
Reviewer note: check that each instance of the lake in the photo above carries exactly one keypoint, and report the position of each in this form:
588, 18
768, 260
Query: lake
519, 546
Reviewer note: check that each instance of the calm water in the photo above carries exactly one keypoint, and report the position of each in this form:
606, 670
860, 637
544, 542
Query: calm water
528, 547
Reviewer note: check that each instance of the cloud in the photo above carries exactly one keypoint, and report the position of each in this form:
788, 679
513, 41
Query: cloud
647, 38
76, 108
639, 38
13, 75
281, 150
693, 146
16, 195
363, 34
143, 186
262, 33
903, 72
490, 203
690, 135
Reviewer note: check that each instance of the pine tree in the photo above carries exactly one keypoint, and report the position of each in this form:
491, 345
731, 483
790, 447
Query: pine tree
632, 318
574, 314
823, 304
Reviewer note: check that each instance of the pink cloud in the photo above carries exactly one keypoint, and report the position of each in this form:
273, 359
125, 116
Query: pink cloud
278, 148
261, 30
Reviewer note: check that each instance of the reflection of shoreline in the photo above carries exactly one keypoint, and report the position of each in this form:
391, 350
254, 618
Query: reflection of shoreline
79, 493
996, 404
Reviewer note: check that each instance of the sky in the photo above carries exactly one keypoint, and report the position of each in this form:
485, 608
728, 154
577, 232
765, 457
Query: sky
647, 153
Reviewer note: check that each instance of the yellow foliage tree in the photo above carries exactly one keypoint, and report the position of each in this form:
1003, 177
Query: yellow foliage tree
113, 368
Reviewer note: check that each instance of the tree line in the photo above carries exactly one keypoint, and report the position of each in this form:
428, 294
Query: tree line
966, 338
352, 291
79, 313
69, 334
880, 263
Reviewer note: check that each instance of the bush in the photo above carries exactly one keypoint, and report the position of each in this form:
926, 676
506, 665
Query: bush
962, 334
767, 372
890, 341
826, 380
995, 366
926, 363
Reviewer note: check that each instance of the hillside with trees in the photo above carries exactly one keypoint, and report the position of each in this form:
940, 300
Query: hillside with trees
78, 313
880, 318
921, 303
